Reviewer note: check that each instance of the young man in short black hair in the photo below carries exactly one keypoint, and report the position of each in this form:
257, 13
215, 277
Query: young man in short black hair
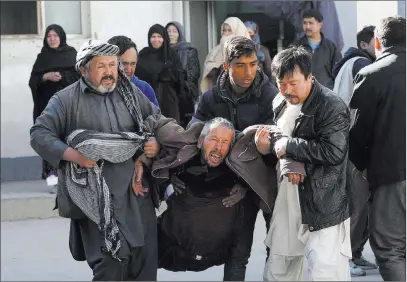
378, 145
311, 212
128, 56
243, 93
325, 53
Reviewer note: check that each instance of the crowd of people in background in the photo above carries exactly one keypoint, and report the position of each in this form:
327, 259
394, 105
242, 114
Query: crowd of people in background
313, 139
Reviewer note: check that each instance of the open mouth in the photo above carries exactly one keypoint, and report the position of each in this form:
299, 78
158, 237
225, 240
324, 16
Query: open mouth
215, 157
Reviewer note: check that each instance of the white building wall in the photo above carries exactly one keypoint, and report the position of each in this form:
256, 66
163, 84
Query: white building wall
130, 18
371, 12
347, 14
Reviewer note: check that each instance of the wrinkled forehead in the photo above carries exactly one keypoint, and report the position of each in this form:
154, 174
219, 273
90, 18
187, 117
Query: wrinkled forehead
221, 132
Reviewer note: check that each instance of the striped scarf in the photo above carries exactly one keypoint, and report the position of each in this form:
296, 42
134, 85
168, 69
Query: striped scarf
88, 188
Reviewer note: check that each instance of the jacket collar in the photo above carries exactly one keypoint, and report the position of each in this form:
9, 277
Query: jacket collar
255, 88
304, 40
310, 104
391, 51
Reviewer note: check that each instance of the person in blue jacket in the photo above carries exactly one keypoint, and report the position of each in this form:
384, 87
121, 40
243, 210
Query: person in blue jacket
128, 56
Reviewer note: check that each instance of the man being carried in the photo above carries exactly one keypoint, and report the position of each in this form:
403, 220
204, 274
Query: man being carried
206, 224
243, 95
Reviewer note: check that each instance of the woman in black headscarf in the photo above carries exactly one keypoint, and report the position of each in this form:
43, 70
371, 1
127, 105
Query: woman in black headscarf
161, 67
188, 55
53, 70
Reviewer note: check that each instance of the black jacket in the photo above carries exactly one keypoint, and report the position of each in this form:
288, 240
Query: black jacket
320, 141
359, 64
378, 137
324, 58
254, 108
197, 232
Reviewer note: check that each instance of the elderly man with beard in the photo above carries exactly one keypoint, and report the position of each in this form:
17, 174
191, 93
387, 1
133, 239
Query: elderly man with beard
311, 213
207, 224
111, 228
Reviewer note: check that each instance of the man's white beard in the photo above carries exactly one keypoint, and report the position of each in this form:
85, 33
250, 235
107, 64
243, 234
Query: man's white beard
101, 89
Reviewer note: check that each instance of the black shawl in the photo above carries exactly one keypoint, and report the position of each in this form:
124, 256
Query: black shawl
61, 59
152, 63
163, 70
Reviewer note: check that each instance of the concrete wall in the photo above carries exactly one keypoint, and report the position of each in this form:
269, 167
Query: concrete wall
371, 12
347, 14
18, 54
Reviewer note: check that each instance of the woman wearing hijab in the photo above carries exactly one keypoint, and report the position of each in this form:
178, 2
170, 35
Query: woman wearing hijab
263, 54
188, 55
230, 28
53, 70
160, 66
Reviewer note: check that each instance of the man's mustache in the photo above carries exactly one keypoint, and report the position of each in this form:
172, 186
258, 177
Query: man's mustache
308, 30
289, 96
108, 77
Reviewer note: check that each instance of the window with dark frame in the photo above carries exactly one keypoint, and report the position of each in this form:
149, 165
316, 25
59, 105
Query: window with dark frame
19, 17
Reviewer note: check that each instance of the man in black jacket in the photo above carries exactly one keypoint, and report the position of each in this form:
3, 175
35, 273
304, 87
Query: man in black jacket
325, 54
378, 144
201, 228
243, 94
345, 71
313, 218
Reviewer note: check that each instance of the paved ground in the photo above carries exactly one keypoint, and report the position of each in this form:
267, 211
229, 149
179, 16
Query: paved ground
37, 250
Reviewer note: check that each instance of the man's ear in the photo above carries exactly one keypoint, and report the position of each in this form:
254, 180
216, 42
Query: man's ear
377, 44
200, 142
321, 24
225, 67
82, 70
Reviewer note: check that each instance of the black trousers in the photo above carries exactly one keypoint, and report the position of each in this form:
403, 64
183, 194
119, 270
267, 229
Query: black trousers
387, 227
359, 220
235, 256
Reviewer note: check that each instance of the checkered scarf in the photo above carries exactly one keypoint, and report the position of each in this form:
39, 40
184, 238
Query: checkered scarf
88, 188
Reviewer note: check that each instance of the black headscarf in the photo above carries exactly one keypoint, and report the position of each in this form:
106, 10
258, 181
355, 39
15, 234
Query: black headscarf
153, 61
50, 59
62, 60
164, 51
182, 47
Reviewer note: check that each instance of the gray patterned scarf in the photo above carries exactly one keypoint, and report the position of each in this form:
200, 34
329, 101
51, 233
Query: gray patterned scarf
87, 187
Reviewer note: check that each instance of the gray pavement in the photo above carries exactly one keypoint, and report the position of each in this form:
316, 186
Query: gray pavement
37, 250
